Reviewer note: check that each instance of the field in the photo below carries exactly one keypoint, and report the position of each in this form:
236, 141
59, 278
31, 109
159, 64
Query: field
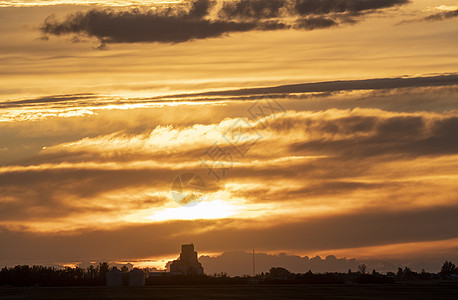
442, 290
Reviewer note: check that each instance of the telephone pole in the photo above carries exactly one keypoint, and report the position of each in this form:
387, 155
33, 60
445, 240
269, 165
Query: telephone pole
254, 270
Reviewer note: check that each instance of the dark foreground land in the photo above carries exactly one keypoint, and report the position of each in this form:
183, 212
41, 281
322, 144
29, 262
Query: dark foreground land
430, 290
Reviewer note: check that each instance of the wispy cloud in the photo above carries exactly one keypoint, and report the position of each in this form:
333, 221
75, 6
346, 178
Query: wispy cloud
334, 86
319, 158
65, 105
440, 16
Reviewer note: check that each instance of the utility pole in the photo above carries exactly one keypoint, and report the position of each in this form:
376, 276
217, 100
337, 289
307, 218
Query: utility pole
254, 270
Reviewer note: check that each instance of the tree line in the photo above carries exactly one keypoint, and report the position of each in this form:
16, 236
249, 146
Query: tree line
96, 276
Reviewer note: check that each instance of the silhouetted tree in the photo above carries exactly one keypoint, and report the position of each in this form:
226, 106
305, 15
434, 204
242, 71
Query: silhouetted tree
279, 273
448, 268
102, 270
362, 268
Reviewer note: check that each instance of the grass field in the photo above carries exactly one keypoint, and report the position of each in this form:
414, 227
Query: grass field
345, 291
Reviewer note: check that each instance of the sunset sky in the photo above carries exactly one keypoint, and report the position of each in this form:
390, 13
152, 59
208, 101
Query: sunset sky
311, 127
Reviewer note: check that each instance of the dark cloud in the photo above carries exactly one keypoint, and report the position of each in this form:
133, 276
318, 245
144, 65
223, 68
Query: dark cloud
252, 9
315, 23
46, 100
272, 25
321, 7
178, 25
134, 26
407, 136
445, 15
200, 8
261, 9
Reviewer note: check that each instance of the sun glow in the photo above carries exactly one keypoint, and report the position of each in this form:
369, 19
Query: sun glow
216, 209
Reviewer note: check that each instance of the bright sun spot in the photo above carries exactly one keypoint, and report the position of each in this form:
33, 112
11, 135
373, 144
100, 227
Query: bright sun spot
216, 209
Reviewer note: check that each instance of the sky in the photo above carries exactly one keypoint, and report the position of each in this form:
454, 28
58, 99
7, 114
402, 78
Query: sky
298, 128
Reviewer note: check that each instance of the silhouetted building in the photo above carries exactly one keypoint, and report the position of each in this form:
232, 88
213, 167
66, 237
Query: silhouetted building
136, 277
115, 277
187, 263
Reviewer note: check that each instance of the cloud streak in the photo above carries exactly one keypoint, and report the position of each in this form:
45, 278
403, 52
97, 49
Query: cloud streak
426, 93
335, 86
441, 16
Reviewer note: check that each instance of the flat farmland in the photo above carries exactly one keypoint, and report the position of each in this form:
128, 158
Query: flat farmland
426, 290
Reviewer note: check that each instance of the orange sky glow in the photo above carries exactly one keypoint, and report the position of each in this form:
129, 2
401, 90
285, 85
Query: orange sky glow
295, 130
